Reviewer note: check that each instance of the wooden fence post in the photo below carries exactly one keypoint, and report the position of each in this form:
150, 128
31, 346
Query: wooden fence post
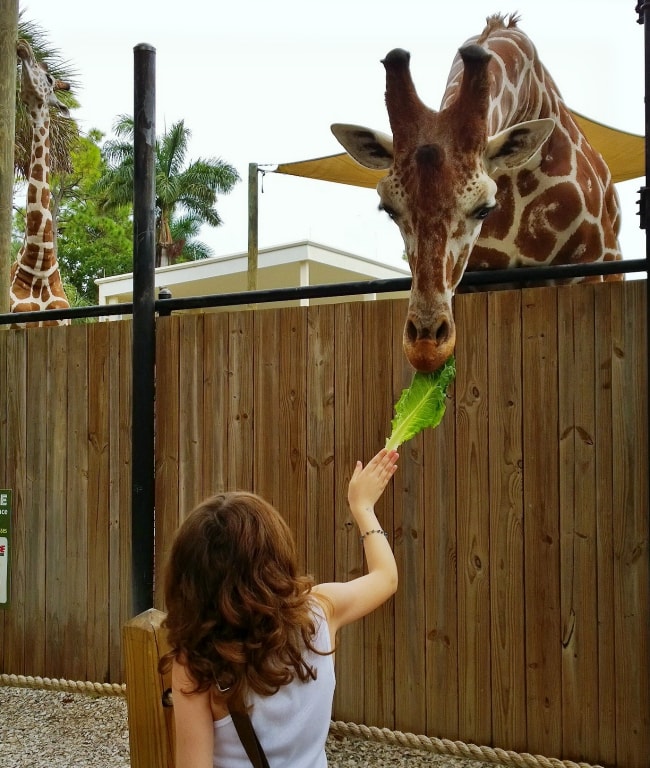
151, 734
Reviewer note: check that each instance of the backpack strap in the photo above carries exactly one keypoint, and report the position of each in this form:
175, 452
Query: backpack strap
249, 740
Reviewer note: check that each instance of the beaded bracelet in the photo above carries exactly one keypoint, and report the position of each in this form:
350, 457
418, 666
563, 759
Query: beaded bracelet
377, 530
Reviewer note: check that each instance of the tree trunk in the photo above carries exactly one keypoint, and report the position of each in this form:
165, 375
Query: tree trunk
8, 38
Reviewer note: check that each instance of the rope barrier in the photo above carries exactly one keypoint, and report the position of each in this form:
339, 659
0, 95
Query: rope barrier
455, 749
67, 686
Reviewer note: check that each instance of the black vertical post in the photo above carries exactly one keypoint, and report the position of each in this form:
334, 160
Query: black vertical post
253, 209
144, 329
643, 9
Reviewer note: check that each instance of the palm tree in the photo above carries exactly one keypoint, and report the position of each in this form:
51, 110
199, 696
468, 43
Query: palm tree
63, 131
186, 194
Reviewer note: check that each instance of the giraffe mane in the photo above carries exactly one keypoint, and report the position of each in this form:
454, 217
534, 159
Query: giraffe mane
498, 21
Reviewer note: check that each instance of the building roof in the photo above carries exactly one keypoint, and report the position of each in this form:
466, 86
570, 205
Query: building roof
285, 266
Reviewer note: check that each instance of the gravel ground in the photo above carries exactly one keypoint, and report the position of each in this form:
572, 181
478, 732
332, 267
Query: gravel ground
50, 729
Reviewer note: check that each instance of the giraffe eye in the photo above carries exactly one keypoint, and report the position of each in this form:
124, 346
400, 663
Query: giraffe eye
390, 212
483, 211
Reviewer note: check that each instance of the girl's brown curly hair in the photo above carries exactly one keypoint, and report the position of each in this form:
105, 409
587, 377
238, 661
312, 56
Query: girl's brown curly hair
238, 613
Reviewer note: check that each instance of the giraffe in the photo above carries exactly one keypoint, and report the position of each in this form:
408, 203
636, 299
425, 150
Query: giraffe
501, 176
35, 279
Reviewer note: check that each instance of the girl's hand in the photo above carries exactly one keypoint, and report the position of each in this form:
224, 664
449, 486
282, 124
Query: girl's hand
351, 600
368, 483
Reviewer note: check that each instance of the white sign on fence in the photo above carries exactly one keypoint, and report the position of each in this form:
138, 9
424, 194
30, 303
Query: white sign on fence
5, 546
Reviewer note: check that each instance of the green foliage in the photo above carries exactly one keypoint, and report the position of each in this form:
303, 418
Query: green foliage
90, 242
93, 245
186, 192
422, 404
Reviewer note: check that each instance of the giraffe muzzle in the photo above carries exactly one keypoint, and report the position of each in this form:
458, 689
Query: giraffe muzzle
428, 346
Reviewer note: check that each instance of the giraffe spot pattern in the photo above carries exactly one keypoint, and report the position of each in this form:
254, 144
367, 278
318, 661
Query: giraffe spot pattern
544, 218
527, 182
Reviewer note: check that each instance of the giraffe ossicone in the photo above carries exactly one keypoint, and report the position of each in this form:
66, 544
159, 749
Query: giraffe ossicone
500, 176
35, 282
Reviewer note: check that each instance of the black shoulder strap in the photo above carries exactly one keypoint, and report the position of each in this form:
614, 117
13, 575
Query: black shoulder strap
251, 743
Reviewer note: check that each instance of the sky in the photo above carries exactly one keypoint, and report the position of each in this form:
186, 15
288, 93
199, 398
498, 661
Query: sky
261, 81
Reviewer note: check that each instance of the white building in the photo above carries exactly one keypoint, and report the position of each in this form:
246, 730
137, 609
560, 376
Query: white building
286, 266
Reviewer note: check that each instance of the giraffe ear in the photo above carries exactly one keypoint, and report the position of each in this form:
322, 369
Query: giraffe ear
516, 145
372, 149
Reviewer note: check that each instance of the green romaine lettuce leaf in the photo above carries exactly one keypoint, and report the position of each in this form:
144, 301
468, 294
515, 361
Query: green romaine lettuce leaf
422, 404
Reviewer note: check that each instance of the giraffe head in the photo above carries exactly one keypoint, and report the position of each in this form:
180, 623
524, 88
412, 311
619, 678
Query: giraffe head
38, 87
439, 187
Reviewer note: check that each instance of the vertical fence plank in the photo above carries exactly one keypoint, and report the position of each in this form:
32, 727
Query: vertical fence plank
292, 422
320, 442
567, 423
541, 520
630, 495
58, 598
473, 518
409, 511
605, 465
125, 479
379, 626
240, 409
115, 511
578, 574
505, 458
167, 448
215, 401
97, 624
120, 523
190, 413
266, 441
585, 697
75, 582
441, 572
4, 447
35, 518
16, 479
348, 553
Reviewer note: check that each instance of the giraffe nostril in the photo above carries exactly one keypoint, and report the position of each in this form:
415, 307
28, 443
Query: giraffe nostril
443, 332
411, 331
439, 331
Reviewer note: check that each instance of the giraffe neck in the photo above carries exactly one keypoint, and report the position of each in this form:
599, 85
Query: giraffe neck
35, 280
522, 89
520, 86
564, 209
38, 254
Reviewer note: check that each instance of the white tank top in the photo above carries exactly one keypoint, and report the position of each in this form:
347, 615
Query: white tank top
292, 724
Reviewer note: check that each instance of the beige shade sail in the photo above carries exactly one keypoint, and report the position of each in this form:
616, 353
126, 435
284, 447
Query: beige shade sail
623, 152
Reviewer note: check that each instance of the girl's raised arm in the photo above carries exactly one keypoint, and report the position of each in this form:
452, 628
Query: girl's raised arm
351, 600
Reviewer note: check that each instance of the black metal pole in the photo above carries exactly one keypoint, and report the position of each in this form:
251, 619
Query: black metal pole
643, 9
144, 329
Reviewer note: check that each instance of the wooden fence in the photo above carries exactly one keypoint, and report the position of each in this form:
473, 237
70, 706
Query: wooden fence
520, 524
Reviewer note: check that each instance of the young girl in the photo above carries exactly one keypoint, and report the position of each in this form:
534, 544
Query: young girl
250, 633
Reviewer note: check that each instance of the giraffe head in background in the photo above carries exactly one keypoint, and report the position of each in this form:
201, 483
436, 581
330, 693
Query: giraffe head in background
37, 87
